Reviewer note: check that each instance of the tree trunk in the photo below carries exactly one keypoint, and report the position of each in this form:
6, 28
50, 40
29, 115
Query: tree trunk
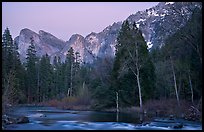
175, 85
140, 95
117, 116
68, 92
199, 103
117, 102
68, 89
190, 83
29, 98
139, 89
71, 80
38, 85
179, 84
200, 56
83, 86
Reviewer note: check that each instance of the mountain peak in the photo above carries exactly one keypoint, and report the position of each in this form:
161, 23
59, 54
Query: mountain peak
91, 34
27, 31
76, 36
43, 32
166, 3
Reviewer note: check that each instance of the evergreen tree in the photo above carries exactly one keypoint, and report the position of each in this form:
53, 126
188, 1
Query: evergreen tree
70, 71
46, 79
12, 79
31, 70
102, 93
60, 78
7, 52
77, 80
55, 75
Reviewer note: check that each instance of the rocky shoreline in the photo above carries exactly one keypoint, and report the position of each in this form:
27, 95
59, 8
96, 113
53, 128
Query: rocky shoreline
8, 119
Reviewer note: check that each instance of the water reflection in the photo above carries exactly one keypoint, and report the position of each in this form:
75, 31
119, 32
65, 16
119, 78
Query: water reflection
113, 117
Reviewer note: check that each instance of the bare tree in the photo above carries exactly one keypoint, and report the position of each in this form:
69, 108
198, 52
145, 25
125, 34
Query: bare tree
191, 87
132, 55
135, 68
117, 105
136, 71
175, 84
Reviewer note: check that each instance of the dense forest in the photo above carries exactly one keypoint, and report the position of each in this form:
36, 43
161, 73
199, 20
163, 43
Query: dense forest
133, 78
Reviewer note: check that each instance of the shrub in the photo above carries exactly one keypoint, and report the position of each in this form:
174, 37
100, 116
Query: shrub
166, 107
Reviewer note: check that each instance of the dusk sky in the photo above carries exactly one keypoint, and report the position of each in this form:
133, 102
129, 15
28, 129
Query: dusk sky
62, 19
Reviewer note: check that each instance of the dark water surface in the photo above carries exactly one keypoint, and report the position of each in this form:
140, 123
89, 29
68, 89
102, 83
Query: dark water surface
50, 118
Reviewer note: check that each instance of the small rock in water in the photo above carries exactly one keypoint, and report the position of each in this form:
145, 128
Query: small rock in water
12, 120
23, 119
145, 123
178, 125
171, 117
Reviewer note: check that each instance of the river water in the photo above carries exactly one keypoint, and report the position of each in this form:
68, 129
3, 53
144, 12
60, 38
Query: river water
50, 118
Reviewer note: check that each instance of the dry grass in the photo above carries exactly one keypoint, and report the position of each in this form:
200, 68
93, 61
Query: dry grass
152, 108
74, 103
166, 107
163, 107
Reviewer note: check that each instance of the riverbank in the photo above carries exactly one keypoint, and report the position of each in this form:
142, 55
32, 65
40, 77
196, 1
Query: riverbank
153, 108
57, 119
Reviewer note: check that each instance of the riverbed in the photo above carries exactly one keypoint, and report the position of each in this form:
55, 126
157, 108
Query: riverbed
51, 118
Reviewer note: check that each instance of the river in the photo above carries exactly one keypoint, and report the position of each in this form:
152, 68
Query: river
51, 118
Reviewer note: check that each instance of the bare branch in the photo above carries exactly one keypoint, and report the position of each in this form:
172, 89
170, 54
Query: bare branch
131, 56
123, 69
133, 71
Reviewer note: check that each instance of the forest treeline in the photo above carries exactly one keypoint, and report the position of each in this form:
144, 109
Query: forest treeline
133, 77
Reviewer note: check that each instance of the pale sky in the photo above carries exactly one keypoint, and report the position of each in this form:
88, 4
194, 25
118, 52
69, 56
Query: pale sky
63, 19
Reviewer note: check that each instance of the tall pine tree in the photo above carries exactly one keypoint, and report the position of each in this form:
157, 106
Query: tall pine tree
31, 73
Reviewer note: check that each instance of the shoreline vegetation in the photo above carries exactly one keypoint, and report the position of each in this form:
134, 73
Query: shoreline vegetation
152, 108
165, 108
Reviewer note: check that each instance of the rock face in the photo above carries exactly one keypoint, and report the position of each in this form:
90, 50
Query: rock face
78, 43
44, 43
156, 23
163, 20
